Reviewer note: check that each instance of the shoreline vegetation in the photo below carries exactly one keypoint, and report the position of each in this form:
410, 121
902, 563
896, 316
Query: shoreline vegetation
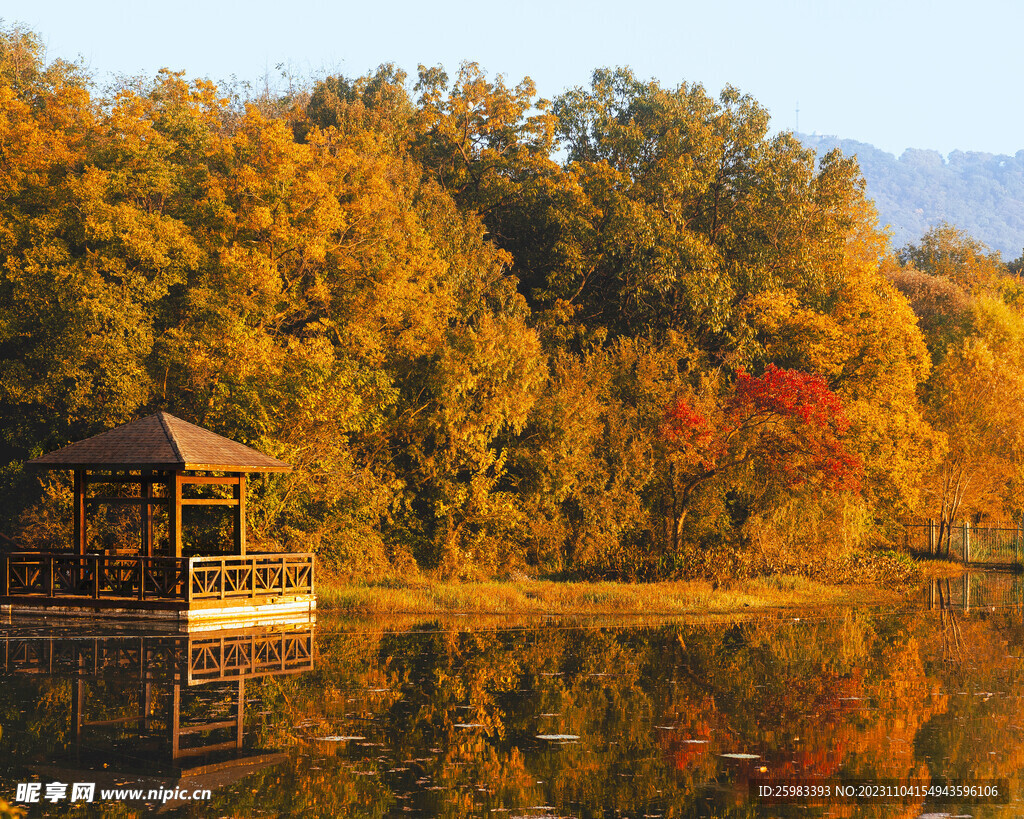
526, 596
558, 598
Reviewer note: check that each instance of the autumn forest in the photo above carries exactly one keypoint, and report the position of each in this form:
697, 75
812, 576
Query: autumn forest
625, 333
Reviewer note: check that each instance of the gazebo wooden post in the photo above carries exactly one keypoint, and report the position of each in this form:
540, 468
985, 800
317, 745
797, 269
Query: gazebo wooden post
146, 493
238, 491
174, 513
81, 533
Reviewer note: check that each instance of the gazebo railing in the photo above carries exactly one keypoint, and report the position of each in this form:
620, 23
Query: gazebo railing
234, 578
93, 575
200, 581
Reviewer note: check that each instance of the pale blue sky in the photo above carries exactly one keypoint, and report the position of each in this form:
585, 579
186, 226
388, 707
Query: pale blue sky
895, 73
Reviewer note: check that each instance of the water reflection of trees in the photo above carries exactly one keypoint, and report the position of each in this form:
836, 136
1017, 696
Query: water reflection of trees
443, 720
977, 652
450, 714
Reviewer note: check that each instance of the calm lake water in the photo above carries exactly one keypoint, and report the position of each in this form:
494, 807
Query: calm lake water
476, 717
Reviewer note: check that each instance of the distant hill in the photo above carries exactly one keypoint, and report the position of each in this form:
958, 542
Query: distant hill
977, 192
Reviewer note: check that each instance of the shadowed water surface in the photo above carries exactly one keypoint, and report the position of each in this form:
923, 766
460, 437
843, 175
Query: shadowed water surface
583, 718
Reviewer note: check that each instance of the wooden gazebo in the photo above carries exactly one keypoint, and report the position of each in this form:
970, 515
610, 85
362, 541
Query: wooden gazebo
159, 457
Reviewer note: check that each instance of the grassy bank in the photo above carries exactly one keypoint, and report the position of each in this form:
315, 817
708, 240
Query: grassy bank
545, 597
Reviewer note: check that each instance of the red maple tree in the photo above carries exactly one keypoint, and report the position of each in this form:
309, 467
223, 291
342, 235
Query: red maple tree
787, 424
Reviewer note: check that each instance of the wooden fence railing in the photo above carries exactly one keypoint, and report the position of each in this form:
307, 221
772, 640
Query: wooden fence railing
986, 545
202, 581
242, 578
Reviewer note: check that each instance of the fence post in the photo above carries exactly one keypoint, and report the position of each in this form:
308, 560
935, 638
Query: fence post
967, 542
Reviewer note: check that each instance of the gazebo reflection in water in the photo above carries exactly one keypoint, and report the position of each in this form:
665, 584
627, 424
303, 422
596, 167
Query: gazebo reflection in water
159, 464
159, 710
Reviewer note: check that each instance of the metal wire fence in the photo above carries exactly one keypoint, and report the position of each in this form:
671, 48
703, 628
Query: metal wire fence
985, 545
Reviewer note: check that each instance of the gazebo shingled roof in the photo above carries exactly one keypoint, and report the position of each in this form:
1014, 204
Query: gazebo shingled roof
160, 442
162, 448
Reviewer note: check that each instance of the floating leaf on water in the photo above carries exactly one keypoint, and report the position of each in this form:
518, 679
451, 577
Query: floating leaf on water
741, 756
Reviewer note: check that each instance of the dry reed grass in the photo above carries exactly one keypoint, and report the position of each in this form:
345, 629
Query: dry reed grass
419, 595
